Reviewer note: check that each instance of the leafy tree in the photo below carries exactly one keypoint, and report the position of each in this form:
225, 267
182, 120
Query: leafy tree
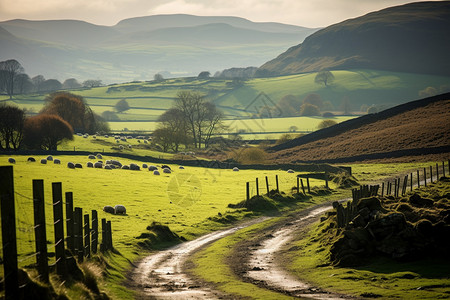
37, 82
9, 70
110, 116
51, 85
289, 105
324, 77
23, 84
73, 109
46, 132
308, 109
71, 83
90, 83
293, 128
12, 120
158, 77
326, 123
286, 137
122, 105
163, 137
314, 99
204, 75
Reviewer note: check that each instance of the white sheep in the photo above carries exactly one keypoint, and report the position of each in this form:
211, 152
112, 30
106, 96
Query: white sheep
144, 166
129, 146
120, 210
50, 158
181, 167
78, 166
167, 171
71, 165
99, 156
57, 161
11, 160
89, 164
152, 168
106, 136
125, 167
43, 161
98, 165
156, 172
121, 147
108, 167
91, 156
31, 159
290, 171
235, 169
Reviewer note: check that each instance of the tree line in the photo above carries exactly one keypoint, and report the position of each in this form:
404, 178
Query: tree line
63, 113
14, 80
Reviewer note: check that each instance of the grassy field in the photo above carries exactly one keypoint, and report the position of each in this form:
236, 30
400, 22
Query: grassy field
149, 99
147, 197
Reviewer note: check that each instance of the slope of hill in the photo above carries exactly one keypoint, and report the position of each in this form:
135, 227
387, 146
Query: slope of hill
408, 38
138, 48
412, 129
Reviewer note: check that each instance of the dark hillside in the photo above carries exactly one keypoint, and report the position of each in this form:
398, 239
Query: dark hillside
409, 38
414, 128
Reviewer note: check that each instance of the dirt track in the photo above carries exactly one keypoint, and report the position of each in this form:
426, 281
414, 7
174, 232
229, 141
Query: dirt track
162, 275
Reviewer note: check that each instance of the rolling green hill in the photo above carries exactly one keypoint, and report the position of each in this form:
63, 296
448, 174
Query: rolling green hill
408, 38
359, 88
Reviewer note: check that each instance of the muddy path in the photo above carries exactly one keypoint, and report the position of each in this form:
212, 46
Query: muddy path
162, 275
259, 260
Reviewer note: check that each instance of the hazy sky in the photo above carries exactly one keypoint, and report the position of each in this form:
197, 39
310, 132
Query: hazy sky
308, 13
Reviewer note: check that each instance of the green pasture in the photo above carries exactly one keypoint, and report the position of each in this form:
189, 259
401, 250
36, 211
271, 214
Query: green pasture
147, 197
148, 99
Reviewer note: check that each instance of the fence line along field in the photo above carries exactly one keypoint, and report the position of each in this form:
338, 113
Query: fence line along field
147, 197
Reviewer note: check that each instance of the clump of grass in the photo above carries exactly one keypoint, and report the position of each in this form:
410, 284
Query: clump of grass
158, 236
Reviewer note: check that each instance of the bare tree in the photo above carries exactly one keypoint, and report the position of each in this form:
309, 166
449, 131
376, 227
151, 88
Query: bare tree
173, 121
71, 83
9, 71
90, 83
38, 81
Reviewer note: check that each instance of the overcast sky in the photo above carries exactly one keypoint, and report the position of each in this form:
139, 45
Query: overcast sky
308, 13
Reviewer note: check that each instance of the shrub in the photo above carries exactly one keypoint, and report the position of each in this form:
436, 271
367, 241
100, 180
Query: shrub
308, 109
326, 123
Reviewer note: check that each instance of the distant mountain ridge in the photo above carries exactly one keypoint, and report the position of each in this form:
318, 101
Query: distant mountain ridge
409, 38
137, 48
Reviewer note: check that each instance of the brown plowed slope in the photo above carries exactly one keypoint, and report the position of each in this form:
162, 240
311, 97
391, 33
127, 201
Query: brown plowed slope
419, 131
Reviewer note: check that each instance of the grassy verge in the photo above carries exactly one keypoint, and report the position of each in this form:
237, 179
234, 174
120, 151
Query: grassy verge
379, 276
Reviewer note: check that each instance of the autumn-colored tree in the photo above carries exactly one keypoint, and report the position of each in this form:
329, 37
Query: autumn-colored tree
314, 99
73, 109
308, 109
11, 127
46, 132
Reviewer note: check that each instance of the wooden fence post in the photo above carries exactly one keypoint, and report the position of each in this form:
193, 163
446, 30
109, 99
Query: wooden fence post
326, 179
94, 231
257, 187
69, 222
382, 189
431, 174
87, 237
110, 243
303, 187
437, 172
307, 183
78, 232
278, 188
298, 185
411, 182
40, 234
267, 185
248, 190
104, 244
443, 169
59, 229
395, 188
418, 179
425, 176
9, 243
